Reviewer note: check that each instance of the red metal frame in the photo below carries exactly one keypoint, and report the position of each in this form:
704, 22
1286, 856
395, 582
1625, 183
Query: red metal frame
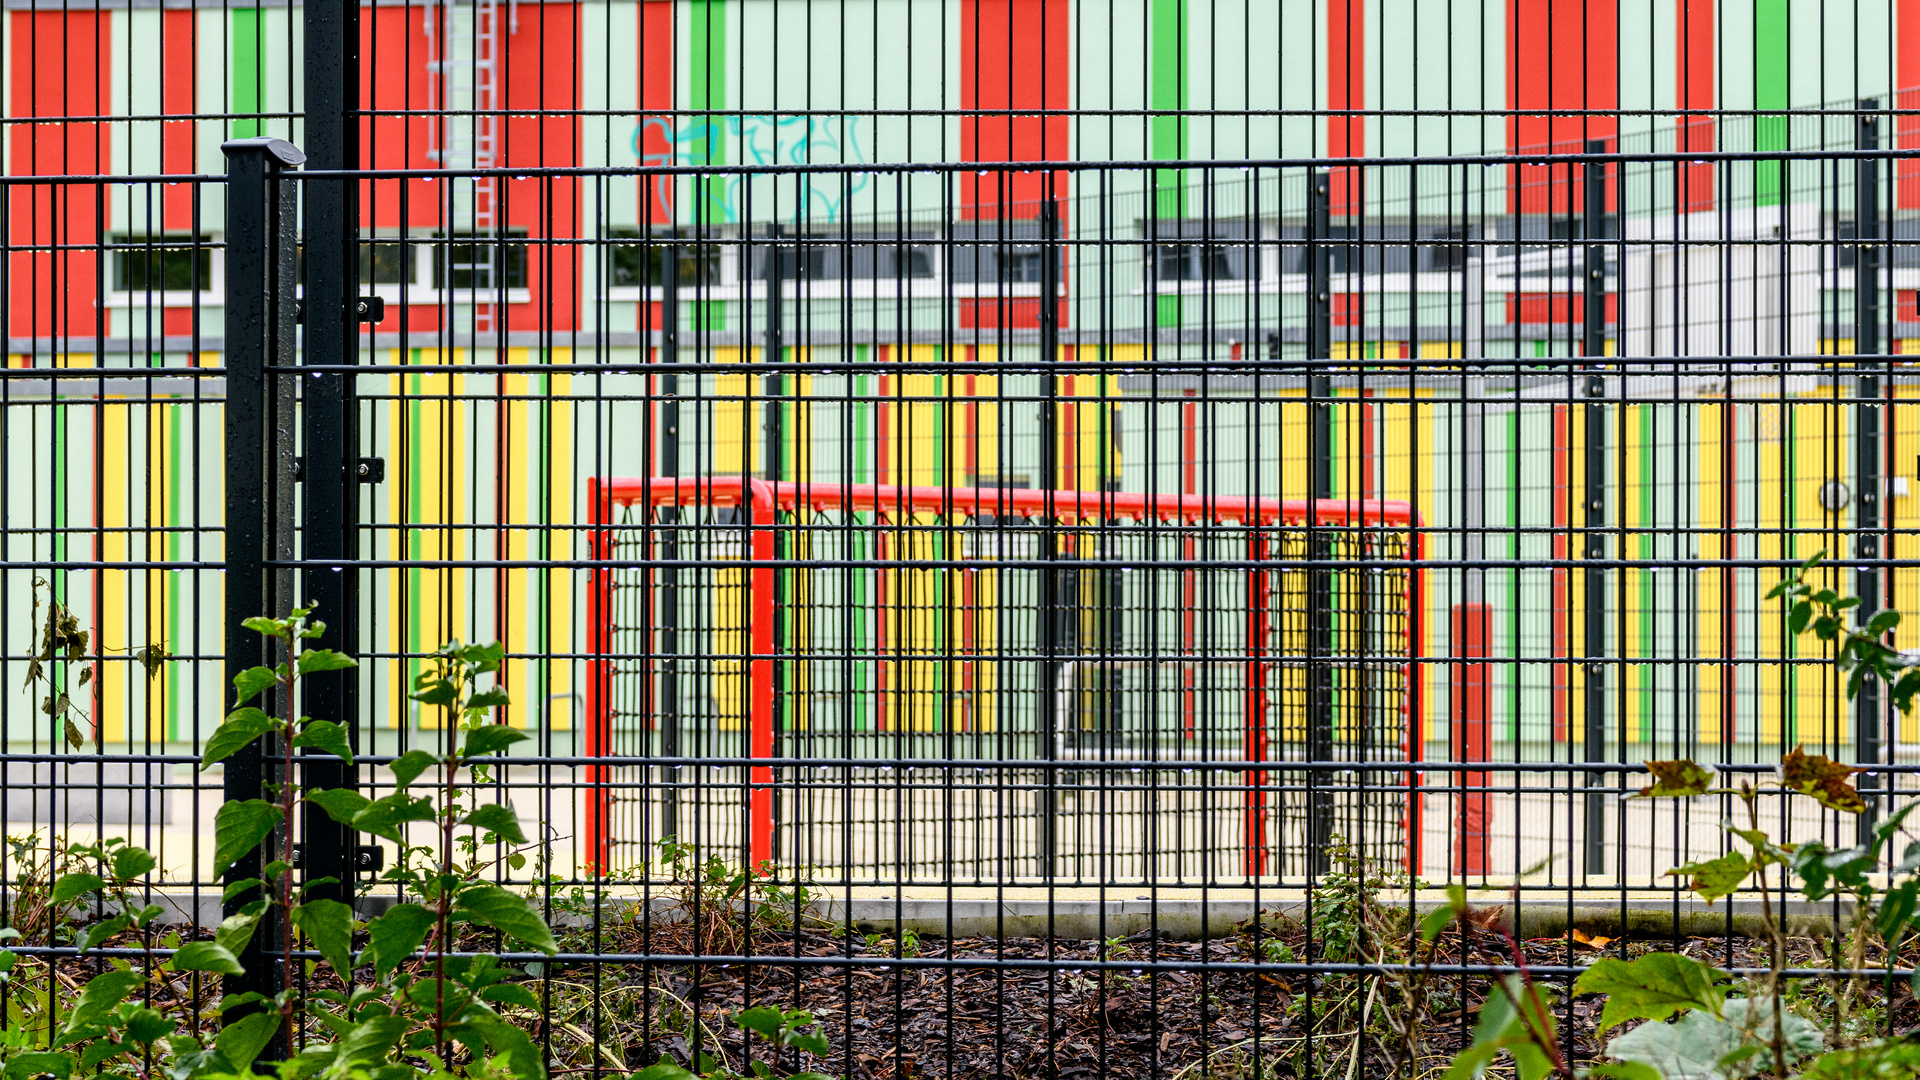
767, 500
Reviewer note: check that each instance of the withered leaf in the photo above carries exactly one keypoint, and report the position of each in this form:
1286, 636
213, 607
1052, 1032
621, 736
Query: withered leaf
1677, 779
1823, 778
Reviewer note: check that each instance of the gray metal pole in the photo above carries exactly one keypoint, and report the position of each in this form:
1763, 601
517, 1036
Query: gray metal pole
1593, 546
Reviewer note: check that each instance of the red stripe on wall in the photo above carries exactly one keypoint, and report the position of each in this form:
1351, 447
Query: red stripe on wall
541, 72
654, 140
1907, 78
1695, 52
179, 48
1013, 55
53, 293
1346, 89
1559, 56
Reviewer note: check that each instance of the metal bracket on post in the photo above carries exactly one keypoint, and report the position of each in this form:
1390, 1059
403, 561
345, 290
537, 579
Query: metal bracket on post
1869, 706
1319, 718
261, 246
1594, 509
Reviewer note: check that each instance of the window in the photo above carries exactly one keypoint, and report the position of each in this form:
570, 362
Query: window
480, 261
997, 253
388, 264
1207, 251
638, 259
150, 264
859, 257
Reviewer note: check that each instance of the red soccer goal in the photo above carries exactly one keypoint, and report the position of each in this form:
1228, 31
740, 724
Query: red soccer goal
735, 623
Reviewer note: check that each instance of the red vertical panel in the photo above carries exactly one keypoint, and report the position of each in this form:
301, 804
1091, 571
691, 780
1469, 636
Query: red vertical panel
1560, 56
1346, 89
54, 53
393, 42
542, 72
1472, 688
1695, 52
1013, 55
1907, 128
654, 142
179, 49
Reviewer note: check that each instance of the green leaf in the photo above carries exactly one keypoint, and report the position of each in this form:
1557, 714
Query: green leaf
370, 1044
329, 925
430, 688
763, 1022
511, 994
393, 936
1822, 778
494, 906
242, 1041
236, 888
249, 683
261, 624
341, 804
1701, 1047
314, 660
207, 956
1653, 987
130, 862
1514, 1018
1676, 779
236, 733
71, 887
388, 816
103, 930
325, 735
510, 1044
489, 739
811, 1040
236, 930
102, 994
101, 1051
1882, 622
1798, 616
43, 1063
1896, 911
1716, 877
238, 829
149, 1025
499, 820
408, 766
493, 697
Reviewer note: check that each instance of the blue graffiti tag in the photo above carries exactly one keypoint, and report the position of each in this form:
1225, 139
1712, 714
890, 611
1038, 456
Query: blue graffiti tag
764, 140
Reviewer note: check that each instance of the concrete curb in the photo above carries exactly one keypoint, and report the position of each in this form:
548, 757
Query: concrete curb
1180, 919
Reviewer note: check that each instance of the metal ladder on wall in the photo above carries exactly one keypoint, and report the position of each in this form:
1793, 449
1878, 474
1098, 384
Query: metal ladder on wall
463, 65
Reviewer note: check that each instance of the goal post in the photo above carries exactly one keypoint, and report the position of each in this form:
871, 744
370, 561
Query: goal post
753, 645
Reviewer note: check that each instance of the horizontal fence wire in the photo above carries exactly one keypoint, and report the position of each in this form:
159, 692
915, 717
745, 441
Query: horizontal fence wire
1048, 534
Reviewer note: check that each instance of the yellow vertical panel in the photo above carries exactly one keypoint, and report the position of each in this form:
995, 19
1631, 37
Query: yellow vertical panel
1903, 515
1708, 448
1769, 433
567, 489
161, 431
734, 440
110, 471
522, 443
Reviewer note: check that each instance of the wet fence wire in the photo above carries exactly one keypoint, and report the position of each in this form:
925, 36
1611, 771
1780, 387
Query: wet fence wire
1053, 578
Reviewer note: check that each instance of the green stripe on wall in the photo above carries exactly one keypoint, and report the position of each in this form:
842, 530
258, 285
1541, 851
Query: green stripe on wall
249, 77
1770, 80
1167, 89
707, 89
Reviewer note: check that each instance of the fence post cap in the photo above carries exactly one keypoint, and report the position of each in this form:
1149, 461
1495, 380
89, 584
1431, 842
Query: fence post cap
282, 150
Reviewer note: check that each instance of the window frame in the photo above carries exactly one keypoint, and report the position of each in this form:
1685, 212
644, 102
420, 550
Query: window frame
122, 245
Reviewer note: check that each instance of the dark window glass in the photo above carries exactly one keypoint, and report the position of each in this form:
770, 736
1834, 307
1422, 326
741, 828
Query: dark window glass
635, 258
862, 257
386, 264
471, 261
162, 264
997, 253
1208, 251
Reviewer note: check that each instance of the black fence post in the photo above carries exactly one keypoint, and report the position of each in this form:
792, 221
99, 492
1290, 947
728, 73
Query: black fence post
1594, 546
261, 245
1052, 597
329, 415
1868, 707
1320, 706
669, 519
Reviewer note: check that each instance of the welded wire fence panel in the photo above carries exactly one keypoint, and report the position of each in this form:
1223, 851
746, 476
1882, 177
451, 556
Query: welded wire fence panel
1055, 479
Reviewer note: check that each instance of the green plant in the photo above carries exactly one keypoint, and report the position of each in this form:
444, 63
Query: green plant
1693, 1026
411, 1002
779, 1030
